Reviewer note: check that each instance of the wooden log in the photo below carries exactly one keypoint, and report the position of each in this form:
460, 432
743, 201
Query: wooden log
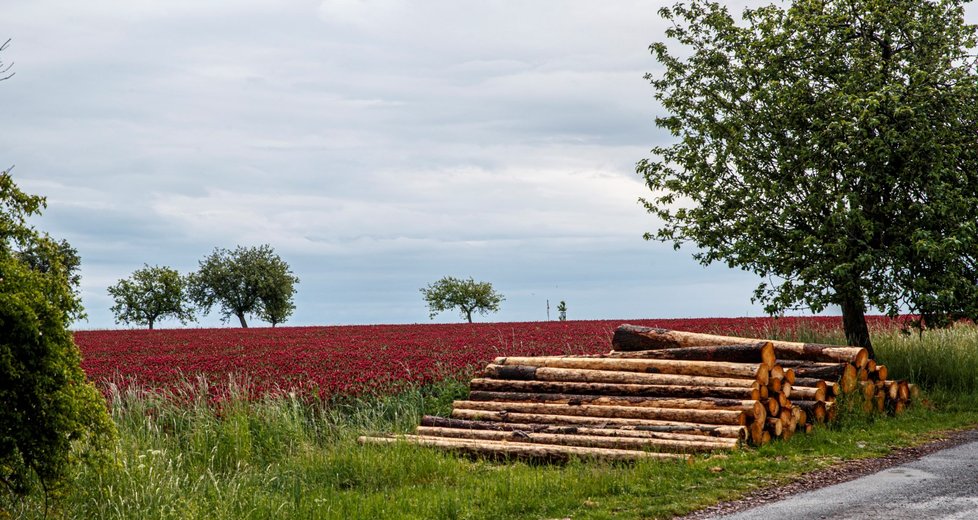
813, 383
881, 372
753, 408
576, 375
789, 375
522, 450
616, 389
810, 369
588, 441
802, 418
815, 410
711, 430
906, 391
773, 406
892, 389
631, 337
756, 435
808, 393
775, 426
755, 371
760, 352
622, 431
899, 407
729, 417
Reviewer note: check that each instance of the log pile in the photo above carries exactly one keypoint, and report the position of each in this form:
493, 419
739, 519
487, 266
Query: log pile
658, 393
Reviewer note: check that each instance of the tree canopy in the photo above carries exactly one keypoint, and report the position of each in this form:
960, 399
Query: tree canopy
247, 280
52, 417
467, 296
830, 147
151, 294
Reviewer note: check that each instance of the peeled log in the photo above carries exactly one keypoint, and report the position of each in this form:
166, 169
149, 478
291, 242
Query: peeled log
588, 441
631, 337
614, 389
755, 371
760, 352
729, 417
711, 430
522, 450
623, 431
752, 407
530, 373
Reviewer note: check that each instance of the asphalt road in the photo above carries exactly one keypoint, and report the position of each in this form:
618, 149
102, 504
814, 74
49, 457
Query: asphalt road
942, 485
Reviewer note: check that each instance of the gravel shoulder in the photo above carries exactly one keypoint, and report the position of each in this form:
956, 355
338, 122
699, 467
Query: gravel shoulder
844, 472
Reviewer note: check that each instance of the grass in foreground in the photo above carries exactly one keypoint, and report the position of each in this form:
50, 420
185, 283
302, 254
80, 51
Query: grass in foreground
281, 458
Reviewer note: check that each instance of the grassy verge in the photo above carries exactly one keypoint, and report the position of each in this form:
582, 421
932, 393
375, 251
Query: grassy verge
281, 458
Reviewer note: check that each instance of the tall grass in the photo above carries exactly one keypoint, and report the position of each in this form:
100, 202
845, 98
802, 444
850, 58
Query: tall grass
936, 360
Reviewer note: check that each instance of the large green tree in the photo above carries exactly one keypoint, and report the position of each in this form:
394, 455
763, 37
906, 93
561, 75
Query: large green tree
831, 147
247, 280
51, 417
467, 296
151, 294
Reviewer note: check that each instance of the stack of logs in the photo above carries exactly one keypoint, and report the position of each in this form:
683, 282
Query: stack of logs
658, 393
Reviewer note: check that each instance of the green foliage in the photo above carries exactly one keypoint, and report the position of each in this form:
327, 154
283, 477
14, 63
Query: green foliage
252, 280
51, 418
830, 147
562, 311
151, 294
467, 296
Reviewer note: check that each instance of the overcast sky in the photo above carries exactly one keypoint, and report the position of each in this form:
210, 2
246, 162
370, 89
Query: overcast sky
377, 145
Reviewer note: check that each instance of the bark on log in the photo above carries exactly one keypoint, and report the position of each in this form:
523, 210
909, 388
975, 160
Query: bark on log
754, 371
760, 352
612, 389
753, 408
622, 431
631, 337
728, 417
811, 382
808, 369
586, 441
575, 375
711, 430
523, 450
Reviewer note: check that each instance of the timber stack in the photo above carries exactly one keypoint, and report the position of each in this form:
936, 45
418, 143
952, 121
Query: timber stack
659, 393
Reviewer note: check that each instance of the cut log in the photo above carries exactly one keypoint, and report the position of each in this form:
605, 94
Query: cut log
712, 430
807, 393
775, 426
809, 369
561, 387
531, 373
881, 372
729, 417
760, 352
522, 450
815, 410
624, 431
631, 337
812, 382
753, 408
587, 441
755, 371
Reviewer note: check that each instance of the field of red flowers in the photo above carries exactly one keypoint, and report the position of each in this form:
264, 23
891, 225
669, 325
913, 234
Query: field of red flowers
325, 362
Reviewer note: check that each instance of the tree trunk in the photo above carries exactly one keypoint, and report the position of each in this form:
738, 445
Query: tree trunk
151, 324
762, 352
713, 430
613, 389
633, 337
241, 318
528, 373
523, 450
726, 417
755, 371
854, 323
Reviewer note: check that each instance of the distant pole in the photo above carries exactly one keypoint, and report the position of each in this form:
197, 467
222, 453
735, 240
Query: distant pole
548, 309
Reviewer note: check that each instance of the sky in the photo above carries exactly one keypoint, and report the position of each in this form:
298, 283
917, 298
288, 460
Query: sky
376, 145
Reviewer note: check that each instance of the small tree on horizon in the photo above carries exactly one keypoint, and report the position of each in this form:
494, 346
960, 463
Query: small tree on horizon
467, 296
562, 311
151, 294
247, 280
